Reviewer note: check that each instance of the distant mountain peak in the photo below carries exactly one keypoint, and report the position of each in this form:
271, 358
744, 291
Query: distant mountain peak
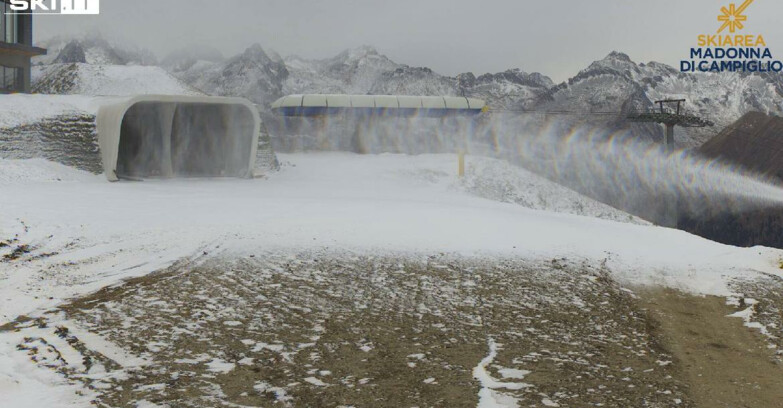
354, 55
615, 63
185, 58
616, 55
364, 50
96, 49
517, 71
518, 77
614, 83
255, 51
275, 56
73, 52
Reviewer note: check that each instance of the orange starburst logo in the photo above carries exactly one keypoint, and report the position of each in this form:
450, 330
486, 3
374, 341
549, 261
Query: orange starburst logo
732, 16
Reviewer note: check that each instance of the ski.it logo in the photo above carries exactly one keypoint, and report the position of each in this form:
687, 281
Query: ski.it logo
55, 7
730, 51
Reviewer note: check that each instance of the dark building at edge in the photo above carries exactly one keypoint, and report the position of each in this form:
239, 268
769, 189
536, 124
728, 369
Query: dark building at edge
16, 49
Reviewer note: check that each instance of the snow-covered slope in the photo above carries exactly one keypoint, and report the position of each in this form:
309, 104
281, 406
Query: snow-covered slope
40, 170
352, 71
95, 50
20, 109
94, 66
407, 80
71, 238
500, 181
97, 232
511, 89
111, 80
305, 77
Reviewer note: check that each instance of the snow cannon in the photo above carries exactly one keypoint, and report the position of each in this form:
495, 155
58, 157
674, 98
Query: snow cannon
378, 105
166, 136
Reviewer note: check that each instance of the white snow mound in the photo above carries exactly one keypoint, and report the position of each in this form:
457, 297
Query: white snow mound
19, 109
40, 170
108, 80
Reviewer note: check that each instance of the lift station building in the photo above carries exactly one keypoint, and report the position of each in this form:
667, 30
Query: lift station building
315, 105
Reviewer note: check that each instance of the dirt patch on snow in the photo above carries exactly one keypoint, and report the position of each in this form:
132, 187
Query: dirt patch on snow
725, 363
339, 329
327, 329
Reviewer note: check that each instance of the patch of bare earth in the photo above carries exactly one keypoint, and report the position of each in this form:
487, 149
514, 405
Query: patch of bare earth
331, 329
725, 363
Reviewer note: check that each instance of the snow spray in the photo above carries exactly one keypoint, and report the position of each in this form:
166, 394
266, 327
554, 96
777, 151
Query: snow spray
637, 176
615, 167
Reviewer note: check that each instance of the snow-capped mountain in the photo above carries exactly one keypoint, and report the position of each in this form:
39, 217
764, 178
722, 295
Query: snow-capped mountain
184, 59
262, 75
352, 71
252, 75
613, 87
364, 70
356, 69
617, 84
92, 50
407, 80
511, 89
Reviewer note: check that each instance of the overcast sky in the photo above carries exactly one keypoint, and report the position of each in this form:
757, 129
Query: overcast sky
554, 37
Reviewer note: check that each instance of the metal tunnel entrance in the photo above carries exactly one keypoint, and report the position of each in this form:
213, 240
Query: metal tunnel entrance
188, 137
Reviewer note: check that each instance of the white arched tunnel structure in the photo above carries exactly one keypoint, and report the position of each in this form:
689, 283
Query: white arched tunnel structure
178, 136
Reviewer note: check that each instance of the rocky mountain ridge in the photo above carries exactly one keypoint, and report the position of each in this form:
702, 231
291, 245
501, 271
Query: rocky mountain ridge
612, 84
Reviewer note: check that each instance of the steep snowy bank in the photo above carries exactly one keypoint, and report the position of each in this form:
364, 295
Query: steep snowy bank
93, 233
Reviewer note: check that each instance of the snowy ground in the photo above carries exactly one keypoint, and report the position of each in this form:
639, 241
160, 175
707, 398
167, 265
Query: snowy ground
65, 234
106, 80
20, 109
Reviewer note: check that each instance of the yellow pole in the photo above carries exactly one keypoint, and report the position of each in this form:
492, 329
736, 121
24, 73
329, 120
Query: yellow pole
461, 166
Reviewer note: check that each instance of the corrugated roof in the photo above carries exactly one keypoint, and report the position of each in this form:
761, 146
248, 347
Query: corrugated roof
379, 101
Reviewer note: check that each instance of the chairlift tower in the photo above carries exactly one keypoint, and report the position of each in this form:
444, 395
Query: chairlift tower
670, 118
